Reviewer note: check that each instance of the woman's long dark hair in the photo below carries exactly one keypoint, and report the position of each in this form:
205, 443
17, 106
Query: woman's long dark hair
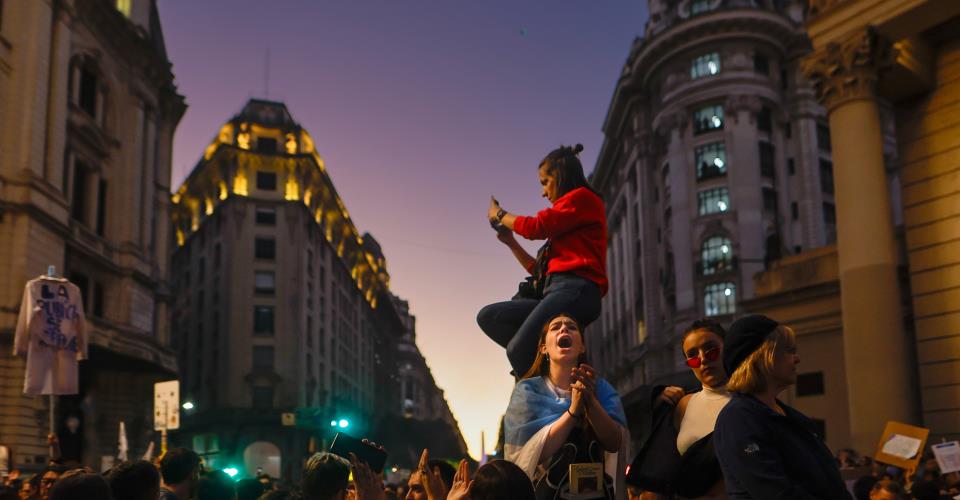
565, 163
541, 364
499, 479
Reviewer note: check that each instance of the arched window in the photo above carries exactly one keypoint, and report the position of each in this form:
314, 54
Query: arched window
716, 255
719, 299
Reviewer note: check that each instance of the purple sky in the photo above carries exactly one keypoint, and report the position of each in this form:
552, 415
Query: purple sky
421, 110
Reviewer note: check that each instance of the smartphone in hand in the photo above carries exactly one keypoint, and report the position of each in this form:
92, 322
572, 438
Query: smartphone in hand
343, 445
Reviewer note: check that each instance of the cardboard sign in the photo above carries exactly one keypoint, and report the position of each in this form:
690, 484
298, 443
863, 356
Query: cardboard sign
948, 456
166, 405
901, 445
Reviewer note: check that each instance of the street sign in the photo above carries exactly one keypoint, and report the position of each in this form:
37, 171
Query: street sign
166, 405
289, 419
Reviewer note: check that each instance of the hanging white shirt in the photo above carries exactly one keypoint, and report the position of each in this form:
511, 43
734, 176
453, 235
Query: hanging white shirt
52, 333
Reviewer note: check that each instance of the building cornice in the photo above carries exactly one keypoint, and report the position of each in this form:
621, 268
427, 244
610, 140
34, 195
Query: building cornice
707, 30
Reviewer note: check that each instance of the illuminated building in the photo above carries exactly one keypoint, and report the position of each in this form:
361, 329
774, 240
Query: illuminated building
281, 305
88, 108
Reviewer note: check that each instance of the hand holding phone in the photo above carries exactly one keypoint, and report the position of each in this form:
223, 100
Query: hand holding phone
343, 445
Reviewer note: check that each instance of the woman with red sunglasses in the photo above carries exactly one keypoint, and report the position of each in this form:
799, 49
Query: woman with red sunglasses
678, 460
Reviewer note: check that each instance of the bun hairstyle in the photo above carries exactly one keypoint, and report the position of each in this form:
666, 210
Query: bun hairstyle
564, 162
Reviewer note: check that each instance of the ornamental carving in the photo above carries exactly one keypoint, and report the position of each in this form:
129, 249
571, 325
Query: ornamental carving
673, 121
848, 70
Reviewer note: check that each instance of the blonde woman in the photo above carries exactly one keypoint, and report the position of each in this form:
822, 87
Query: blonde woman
766, 448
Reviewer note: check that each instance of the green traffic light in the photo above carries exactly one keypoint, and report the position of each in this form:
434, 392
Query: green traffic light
343, 423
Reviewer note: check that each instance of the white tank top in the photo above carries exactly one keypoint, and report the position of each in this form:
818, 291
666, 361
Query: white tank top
701, 416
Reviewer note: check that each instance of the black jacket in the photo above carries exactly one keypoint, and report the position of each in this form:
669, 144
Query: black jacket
659, 467
768, 456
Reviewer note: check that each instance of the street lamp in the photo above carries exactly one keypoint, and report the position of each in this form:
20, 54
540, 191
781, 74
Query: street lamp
188, 405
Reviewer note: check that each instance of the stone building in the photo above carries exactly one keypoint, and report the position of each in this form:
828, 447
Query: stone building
716, 162
88, 108
888, 73
871, 292
281, 305
424, 409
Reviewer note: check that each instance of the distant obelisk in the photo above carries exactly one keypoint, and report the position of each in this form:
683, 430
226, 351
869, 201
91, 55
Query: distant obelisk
483, 448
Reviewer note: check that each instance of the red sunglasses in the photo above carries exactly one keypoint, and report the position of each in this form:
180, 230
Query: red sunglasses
709, 355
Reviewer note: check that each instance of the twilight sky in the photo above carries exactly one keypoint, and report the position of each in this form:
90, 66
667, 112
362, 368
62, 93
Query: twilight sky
421, 110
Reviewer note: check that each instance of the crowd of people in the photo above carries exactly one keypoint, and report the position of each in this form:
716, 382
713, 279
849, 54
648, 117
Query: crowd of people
180, 475
565, 431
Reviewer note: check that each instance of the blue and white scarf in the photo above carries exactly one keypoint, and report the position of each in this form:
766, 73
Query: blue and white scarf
535, 405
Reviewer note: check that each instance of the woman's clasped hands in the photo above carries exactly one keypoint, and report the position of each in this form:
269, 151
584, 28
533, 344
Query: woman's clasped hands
583, 390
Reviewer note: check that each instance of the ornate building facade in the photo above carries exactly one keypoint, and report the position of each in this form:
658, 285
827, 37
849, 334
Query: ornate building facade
281, 305
88, 107
716, 162
888, 73
870, 286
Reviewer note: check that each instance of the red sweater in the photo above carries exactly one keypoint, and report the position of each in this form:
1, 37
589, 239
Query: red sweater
576, 224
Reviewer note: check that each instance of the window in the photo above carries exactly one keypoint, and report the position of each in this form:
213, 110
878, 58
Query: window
267, 181
265, 248
266, 145
719, 298
810, 384
764, 120
794, 211
767, 168
823, 137
716, 255
713, 201
700, 6
711, 160
791, 168
826, 176
264, 282
797, 249
705, 65
708, 118
124, 7
263, 397
216, 258
784, 79
829, 214
761, 64
263, 320
98, 300
769, 199
83, 283
263, 357
88, 92
266, 216
788, 130
101, 207
78, 208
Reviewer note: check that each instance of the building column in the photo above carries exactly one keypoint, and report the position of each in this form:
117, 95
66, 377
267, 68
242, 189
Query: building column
877, 351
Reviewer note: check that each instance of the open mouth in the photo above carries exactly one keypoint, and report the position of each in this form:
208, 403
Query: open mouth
565, 342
